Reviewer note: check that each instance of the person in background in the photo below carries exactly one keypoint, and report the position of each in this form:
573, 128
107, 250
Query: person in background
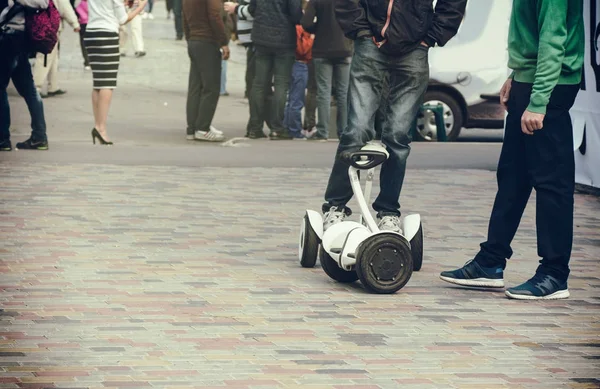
169, 5
332, 53
135, 31
274, 35
207, 47
82, 13
102, 44
46, 66
293, 111
178, 19
14, 64
546, 52
147, 14
400, 54
228, 22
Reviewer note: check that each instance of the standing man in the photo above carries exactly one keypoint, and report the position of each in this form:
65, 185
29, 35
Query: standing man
332, 53
274, 36
546, 50
391, 41
207, 46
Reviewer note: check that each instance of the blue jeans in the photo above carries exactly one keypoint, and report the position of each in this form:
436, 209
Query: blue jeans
223, 76
14, 64
337, 72
292, 119
408, 77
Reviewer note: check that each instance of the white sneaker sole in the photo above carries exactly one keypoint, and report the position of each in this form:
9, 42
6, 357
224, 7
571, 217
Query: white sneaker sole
477, 282
561, 294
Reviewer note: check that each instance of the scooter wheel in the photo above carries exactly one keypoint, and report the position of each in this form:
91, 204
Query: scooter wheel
309, 244
384, 263
416, 248
332, 269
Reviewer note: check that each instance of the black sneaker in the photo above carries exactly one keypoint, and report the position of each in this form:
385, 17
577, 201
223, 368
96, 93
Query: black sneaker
256, 135
540, 287
30, 144
472, 274
5, 145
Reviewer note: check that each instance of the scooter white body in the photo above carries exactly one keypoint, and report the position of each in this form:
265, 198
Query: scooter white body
350, 250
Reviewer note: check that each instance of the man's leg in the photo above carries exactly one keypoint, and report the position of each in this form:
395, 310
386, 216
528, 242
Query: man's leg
514, 185
41, 70
296, 100
341, 76
250, 66
262, 80
23, 82
514, 189
209, 59
123, 38
551, 165
409, 76
177, 17
194, 89
367, 71
8, 62
282, 73
310, 120
53, 86
137, 34
324, 75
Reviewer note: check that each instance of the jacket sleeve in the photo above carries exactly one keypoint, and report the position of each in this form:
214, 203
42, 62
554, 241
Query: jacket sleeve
552, 30
38, 4
215, 20
309, 22
295, 7
352, 18
66, 12
446, 21
243, 13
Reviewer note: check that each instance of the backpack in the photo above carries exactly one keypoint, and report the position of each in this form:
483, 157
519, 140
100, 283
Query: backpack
42, 28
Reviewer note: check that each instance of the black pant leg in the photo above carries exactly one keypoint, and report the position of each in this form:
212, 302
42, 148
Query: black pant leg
514, 186
551, 165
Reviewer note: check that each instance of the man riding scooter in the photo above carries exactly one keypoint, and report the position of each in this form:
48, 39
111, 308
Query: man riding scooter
391, 42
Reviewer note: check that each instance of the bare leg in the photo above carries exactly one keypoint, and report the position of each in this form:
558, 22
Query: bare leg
104, 99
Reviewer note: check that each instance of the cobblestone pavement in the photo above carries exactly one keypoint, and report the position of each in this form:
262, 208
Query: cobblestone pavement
156, 276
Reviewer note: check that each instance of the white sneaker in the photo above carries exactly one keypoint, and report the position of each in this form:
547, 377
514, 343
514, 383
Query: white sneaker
209, 136
213, 129
390, 223
150, 16
334, 216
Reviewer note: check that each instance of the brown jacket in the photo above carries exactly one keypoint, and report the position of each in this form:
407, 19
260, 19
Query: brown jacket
202, 20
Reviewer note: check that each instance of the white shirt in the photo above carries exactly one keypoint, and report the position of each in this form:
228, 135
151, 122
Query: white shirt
106, 15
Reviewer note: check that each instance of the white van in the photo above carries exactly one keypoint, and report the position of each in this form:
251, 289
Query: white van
467, 74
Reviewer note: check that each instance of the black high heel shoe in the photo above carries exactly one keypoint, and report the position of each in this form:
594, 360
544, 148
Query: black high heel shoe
96, 134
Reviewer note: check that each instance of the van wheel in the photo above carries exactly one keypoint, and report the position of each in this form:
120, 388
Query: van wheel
453, 118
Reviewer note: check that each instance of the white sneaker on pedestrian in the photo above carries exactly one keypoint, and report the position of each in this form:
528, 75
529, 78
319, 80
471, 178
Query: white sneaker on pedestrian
209, 136
215, 130
390, 223
150, 16
334, 216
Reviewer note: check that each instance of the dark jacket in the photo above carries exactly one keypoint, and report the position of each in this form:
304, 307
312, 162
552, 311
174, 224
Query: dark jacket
275, 22
399, 26
330, 41
203, 20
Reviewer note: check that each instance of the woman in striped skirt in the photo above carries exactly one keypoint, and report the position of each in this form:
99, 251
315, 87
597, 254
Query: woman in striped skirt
102, 44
